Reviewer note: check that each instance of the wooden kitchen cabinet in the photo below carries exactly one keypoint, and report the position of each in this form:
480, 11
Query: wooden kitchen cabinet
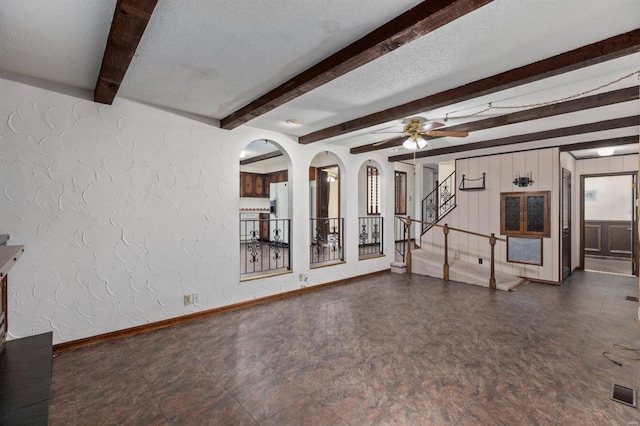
247, 184
268, 179
257, 184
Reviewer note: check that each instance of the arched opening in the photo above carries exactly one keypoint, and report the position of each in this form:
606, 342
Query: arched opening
326, 225
370, 218
265, 210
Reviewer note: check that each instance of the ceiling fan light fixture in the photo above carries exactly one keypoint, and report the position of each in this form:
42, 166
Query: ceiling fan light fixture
410, 144
421, 143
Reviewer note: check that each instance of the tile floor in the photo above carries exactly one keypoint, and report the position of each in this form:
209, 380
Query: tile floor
390, 349
616, 266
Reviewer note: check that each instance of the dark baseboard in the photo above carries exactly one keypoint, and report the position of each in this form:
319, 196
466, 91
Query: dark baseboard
61, 347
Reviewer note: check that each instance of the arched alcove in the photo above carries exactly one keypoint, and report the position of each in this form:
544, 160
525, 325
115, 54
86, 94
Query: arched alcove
266, 200
326, 209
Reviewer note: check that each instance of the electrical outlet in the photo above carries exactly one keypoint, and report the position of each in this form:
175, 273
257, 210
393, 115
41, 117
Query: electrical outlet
187, 299
196, 298
480, 261
300, 277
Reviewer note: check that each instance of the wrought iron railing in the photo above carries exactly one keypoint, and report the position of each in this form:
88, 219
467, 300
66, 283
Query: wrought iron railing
326, 240
439, 202
370, 231
264, 246
400, 230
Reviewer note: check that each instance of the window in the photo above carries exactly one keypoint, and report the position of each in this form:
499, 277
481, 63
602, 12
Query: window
401, 193
524, 213
373, 191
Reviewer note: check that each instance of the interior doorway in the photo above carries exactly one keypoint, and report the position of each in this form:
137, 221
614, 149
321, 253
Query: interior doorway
609, 238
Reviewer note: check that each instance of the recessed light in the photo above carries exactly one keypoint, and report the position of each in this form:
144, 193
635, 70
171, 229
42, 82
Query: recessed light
293, 122
603, 152
243, 153
397, 149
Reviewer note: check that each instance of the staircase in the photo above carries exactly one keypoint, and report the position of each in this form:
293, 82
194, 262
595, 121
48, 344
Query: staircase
424, 262
435, 207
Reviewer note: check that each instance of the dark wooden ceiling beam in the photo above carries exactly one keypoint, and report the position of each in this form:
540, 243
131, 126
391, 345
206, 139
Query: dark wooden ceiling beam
130, 19
595, 53
414, 23
602, 143
594, 101
262, 157
616, 123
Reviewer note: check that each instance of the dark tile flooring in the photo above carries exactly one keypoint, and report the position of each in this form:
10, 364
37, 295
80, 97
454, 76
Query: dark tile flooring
389, 349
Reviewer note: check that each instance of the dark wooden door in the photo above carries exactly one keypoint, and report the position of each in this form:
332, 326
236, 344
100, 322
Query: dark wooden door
566, 223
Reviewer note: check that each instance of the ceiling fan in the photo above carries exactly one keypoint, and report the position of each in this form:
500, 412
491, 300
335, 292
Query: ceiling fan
417, 127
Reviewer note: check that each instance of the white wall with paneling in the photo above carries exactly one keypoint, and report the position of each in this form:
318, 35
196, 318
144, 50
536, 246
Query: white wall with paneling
479, 211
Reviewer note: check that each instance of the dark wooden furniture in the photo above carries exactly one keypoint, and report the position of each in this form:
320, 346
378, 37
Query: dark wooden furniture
525, 214
8, 257
4, 320
25, 380
25, 364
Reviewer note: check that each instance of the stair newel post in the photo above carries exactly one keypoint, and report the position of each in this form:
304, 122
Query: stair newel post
445, 267
408, 242
492, 279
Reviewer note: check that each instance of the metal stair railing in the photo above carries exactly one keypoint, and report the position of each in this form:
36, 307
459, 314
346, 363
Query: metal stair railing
401, 238
439, 202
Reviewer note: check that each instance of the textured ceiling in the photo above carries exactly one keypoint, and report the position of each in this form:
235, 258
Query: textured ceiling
211, 58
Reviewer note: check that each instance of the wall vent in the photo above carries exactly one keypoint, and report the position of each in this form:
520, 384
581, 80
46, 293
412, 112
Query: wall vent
623, 395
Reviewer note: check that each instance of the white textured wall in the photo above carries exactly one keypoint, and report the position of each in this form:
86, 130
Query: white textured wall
124, 208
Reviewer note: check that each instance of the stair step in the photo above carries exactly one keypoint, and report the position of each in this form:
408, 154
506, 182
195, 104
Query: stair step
424, 262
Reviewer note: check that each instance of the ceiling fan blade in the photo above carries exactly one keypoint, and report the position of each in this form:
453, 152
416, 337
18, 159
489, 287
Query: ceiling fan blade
432, 125
441, 133
395, 140
386, 130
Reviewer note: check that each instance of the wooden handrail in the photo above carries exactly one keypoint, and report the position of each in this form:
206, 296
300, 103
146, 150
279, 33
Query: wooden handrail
445, 229
452, 229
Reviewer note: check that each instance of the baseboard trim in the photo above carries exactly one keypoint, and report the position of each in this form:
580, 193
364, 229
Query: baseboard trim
74, 344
